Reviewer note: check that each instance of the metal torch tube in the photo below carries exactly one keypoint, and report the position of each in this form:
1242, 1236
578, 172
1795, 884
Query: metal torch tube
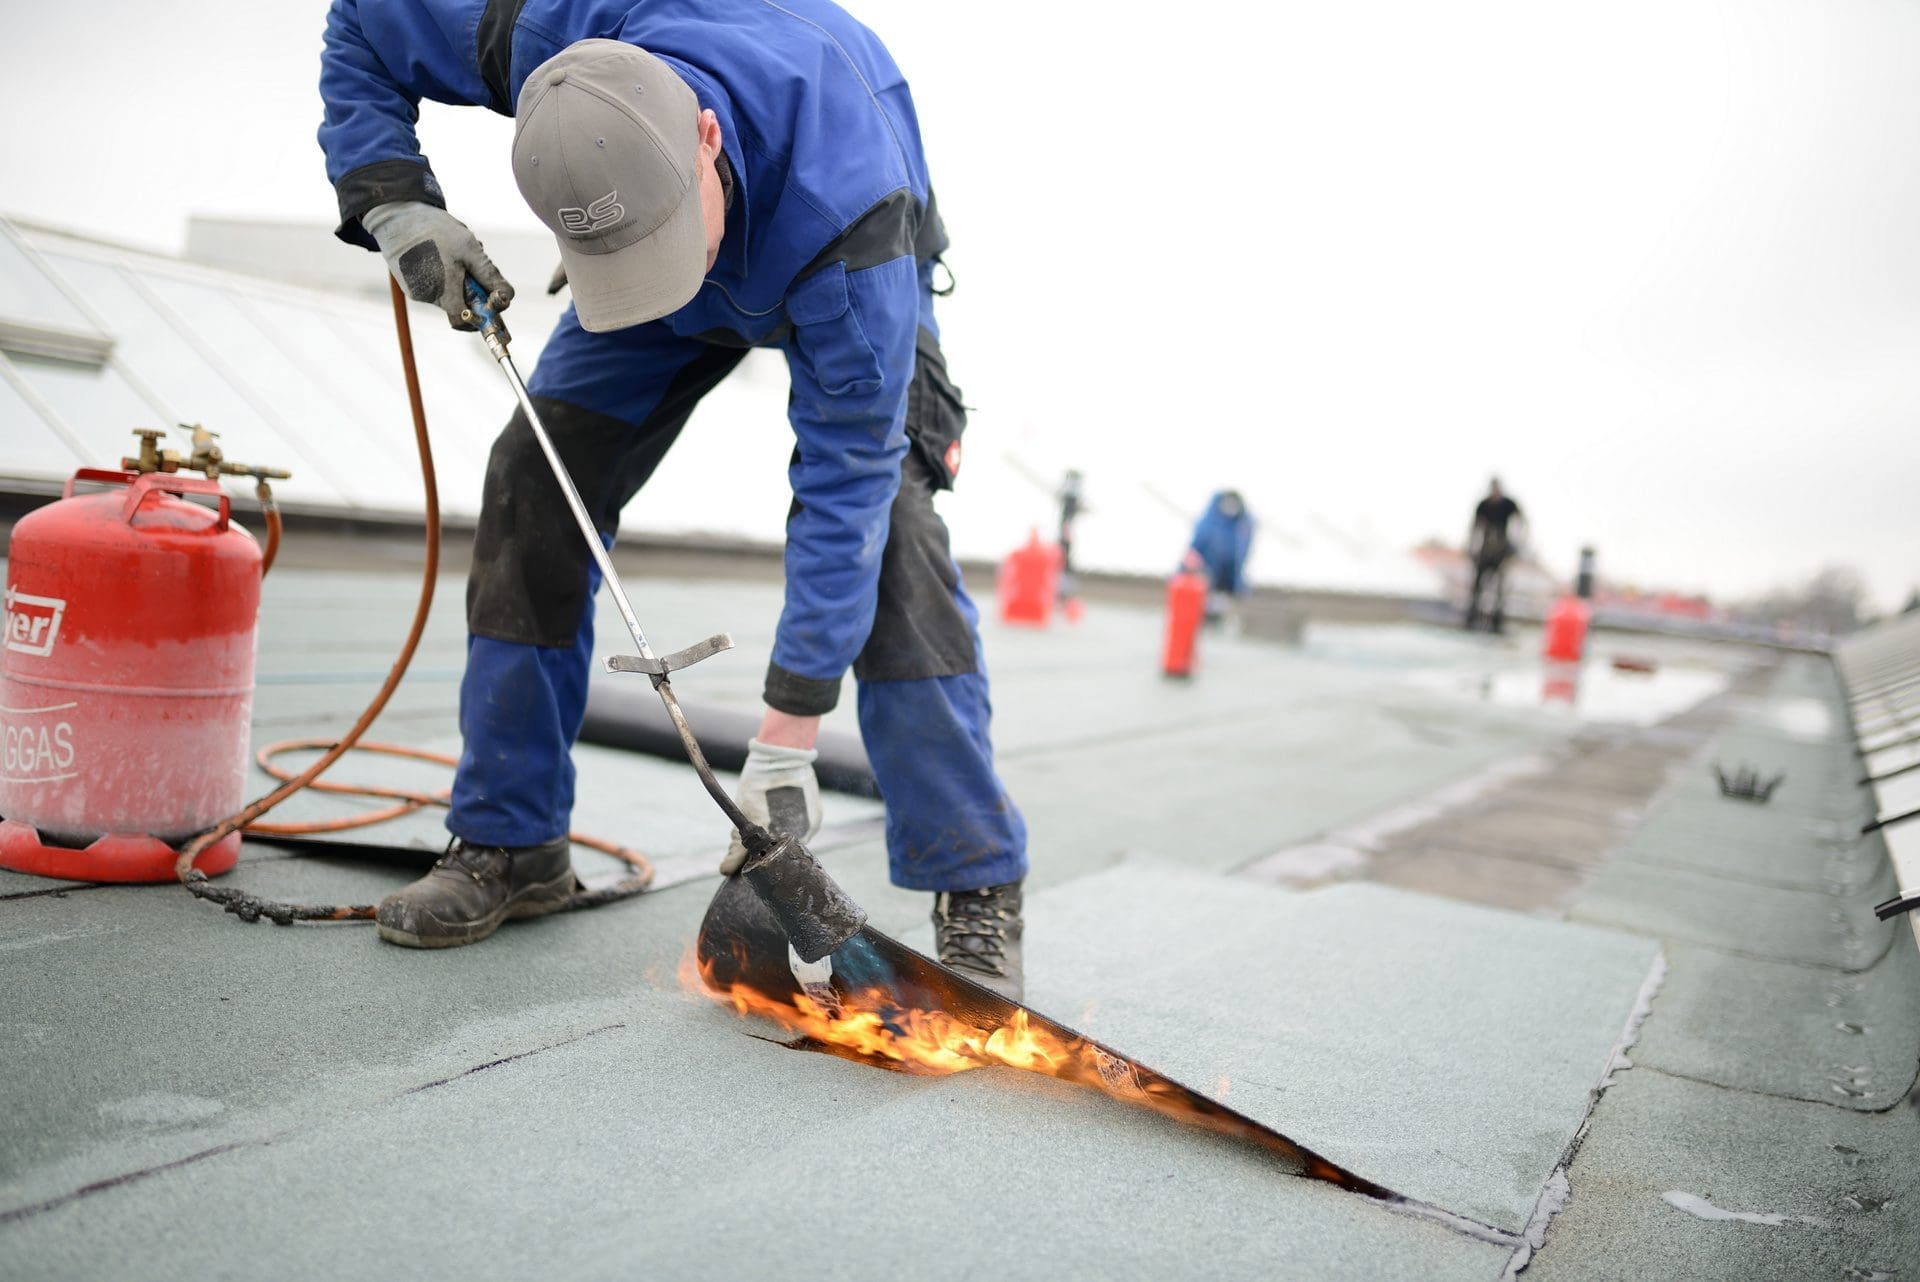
579, 509
748, 829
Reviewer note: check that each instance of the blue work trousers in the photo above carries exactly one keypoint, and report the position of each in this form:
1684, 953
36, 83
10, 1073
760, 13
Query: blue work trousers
613, 404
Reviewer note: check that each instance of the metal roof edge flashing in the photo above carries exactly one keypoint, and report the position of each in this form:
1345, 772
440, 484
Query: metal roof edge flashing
54, 342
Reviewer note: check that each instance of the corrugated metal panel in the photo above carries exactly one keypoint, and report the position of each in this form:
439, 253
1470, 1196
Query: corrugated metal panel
190, 387
309, 379
33, 448
97, 403
28, 293
289, 377
301, 402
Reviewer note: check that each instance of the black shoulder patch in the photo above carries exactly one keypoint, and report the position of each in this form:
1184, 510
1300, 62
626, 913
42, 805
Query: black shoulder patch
889, 230
493, 51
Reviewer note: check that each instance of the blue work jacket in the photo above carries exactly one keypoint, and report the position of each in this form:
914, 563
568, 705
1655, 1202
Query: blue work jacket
830, 232
1223, 543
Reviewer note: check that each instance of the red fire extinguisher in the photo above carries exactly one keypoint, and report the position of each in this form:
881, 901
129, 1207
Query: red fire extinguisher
1186, 606
1566, 630
1029, 582
126, 678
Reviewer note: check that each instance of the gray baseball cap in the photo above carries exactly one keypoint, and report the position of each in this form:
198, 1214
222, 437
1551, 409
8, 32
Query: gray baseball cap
606, 142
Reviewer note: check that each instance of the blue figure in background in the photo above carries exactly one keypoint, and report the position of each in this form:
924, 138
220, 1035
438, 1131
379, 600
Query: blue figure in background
1219, 549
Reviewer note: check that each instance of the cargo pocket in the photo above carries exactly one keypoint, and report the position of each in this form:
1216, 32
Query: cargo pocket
828, 333
936, 418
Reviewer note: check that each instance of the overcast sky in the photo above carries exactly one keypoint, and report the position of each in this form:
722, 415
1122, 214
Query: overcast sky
1657, 264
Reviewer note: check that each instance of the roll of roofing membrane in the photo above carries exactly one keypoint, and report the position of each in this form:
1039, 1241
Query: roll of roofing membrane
624, 712
879, 982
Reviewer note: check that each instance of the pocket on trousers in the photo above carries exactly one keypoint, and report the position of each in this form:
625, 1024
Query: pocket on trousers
936, 416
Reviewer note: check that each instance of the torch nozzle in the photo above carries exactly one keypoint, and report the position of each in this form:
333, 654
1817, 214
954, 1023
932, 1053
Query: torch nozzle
814, 913
815, 979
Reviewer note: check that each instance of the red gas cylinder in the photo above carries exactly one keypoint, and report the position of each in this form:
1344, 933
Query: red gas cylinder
1186, 606
1566, 632
1029, 582
126, 679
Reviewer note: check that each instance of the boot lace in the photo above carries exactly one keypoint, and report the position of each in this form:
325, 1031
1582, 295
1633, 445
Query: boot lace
471, 860
973, 932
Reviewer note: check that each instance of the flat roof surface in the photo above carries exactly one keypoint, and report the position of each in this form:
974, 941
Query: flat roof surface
1386, 892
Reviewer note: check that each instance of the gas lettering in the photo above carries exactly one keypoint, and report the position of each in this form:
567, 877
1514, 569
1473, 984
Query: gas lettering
33, 622
36, 752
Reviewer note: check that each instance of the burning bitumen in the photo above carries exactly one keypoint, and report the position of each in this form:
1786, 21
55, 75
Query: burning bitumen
892, 1008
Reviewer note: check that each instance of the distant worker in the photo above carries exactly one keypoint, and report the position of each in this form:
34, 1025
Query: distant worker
1069, 497
1499, 529
1219, 548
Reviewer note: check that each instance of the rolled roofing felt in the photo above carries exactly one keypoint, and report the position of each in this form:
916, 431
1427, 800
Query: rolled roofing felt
625, 714
742, 942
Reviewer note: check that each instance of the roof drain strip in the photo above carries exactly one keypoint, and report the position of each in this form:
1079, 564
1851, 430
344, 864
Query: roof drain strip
249, 907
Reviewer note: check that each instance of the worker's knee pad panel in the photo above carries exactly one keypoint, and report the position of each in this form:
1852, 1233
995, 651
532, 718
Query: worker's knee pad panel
919, 629
528, 583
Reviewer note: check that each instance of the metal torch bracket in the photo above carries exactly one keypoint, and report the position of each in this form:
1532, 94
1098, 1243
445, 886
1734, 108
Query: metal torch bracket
666, 663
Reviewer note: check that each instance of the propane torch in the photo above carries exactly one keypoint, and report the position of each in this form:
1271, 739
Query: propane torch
816, 914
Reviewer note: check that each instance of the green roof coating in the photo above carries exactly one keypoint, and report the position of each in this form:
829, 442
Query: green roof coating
188, 1097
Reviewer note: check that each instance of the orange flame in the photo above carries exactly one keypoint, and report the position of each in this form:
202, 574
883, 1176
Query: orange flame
872, 1025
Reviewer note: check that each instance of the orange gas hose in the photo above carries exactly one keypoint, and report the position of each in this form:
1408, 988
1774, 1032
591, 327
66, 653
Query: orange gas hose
271, 511
406, 801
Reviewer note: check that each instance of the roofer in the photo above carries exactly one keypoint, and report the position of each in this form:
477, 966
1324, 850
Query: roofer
720, 175
1221, 540
1492, 541
1072, 503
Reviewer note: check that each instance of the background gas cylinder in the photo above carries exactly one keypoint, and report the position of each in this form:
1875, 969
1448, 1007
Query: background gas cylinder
1030, 582
1186, 606
126, 678
1566, 630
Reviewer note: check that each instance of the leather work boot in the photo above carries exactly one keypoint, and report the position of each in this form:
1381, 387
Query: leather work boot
472, 889
977, 932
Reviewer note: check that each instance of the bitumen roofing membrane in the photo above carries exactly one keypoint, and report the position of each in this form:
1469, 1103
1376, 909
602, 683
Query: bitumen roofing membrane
1513, 958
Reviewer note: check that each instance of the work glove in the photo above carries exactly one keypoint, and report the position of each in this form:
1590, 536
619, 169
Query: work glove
431, 253
778, 791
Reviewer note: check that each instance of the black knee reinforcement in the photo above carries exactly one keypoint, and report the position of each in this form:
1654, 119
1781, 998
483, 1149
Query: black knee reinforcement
918, 628
528, 583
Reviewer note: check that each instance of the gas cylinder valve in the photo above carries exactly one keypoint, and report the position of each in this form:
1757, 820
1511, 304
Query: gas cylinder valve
151, 457
206, 457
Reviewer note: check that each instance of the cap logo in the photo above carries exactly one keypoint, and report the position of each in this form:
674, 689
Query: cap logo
604, 212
